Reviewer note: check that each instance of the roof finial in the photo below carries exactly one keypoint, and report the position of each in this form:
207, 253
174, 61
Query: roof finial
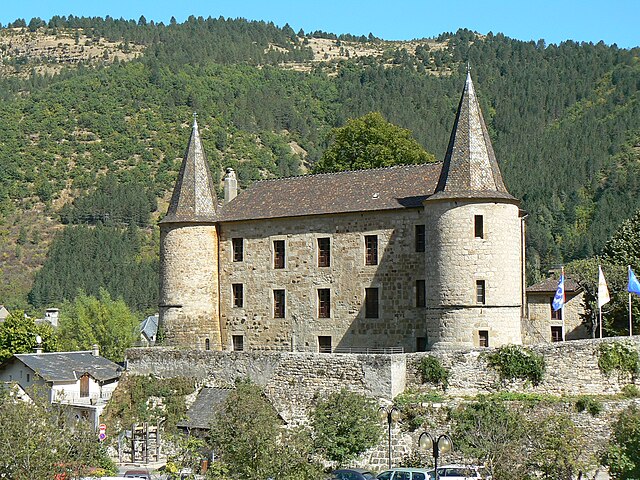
468, 66
195, 122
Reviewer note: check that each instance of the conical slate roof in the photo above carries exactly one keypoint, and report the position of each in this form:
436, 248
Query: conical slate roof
470, 169
194, 198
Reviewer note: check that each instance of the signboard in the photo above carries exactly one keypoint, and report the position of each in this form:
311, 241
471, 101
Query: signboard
102, 431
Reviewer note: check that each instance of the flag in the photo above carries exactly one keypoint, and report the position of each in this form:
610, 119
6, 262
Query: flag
634, 285
558, 299
603, 291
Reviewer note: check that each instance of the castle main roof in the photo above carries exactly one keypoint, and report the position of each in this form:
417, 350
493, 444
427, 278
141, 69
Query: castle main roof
470, 169
386, 188
194, 197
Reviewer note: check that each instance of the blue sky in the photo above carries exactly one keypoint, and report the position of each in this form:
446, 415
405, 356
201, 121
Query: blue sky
613, 21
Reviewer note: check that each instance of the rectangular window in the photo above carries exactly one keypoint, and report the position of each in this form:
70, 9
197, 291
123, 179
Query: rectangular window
278, 304
421, 241
483, 338
324, 303
238, 295
556, 333
371, 304
479, 226
324, 252
555, 314
238, 343
324, 344
480, 291
238, 249
84, 385
421, 344
278, 254
371, 249
421, 300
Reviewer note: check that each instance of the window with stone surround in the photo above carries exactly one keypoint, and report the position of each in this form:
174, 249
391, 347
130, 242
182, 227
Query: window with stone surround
238, 343
324, 303
478, 226
371, 249
421, 344
556, 333
421, 294
483, 338
278, 254
421, 239
324, 344
555, 314
207, 344
238, 249
481, 292
371, 303
324, 252
278, 304
238, 295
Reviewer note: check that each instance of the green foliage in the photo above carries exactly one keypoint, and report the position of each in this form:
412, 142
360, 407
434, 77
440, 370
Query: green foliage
432, 371
26, 441
623, 452
18, 335
247, 436
370, 142
415, 408
513, 362
132, 401
589, 404
630, 391
618, 357
345, 424
103, 321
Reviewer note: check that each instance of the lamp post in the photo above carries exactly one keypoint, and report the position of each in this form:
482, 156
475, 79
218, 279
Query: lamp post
442, 444
390, 414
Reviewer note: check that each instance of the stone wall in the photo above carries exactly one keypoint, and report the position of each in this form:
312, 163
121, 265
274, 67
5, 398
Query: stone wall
347, 277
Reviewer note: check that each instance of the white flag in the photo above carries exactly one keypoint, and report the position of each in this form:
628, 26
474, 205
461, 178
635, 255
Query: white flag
603, 291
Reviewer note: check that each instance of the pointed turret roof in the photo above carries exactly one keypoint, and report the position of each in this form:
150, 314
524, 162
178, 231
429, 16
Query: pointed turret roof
194, 197
470, 169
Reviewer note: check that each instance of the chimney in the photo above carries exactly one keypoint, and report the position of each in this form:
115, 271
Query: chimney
38, 347
95, 350
51, 316
230, 186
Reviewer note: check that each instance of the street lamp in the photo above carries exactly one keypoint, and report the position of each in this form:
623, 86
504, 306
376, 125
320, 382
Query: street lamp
442, 444
390, 414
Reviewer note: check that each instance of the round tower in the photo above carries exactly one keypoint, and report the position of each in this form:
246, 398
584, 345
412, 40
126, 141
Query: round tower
474, 235
189, 304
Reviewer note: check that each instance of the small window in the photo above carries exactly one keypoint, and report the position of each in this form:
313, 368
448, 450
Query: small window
278, 254
238, 343
479, 226
421, 344
278, 304
84, 385
483, 338
371, 249
555, 314
421, 300
420, 238
324, 252
324, 344
238, 295
238, 249
480, 292
556, 333
324, 303
371, 304
207, 344
28, 377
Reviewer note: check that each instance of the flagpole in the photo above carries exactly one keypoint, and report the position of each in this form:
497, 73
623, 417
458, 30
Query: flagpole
600, 319
564, 298
630, 321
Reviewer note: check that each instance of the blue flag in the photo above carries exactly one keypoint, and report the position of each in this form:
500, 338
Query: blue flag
558, 299
634, 285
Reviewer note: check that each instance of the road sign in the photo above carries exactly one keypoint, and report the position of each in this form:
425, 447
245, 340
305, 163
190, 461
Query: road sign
103, 431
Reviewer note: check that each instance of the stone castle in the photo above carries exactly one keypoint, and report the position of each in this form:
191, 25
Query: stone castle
400, 259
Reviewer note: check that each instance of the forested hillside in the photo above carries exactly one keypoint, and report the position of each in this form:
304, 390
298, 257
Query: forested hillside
100, 143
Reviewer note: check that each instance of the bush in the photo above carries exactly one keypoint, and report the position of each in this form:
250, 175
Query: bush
589, 404
618, 356
433, 372
515, 362
630, 391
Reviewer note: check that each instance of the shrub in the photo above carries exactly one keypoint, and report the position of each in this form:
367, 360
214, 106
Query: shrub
515, 362
589, 404
631, 391
618, 356
433, 372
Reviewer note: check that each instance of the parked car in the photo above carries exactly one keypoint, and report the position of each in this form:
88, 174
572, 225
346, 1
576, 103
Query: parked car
144, 474
352, 474
463, 472
406, 474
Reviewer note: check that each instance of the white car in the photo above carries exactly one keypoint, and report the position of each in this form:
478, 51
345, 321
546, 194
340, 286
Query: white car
463, 472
